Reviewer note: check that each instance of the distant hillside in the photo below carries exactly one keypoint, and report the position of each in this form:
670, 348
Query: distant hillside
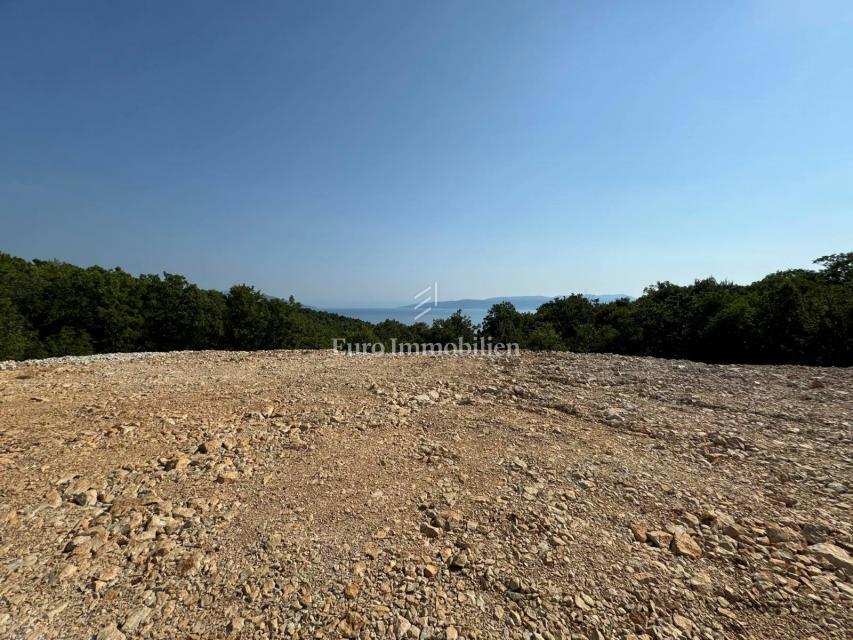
520, 302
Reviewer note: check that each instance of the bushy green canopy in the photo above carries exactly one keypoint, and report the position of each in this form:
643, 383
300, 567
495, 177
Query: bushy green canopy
801, 316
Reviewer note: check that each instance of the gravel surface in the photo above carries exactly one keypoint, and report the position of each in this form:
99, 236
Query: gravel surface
312, 495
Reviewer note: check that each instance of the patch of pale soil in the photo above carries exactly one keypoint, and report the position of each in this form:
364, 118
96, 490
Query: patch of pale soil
310, 495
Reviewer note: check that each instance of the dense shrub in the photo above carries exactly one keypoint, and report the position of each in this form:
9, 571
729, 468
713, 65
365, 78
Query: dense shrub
798, 316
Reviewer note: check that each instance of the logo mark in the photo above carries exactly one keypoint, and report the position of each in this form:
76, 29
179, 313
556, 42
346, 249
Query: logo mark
425, 297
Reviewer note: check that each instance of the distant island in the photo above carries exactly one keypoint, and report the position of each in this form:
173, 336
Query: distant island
521, 302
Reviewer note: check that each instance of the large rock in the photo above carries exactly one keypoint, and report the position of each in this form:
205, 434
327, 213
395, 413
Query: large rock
135, 619
781, 534
641, 533
836, 556
683, 544
659, 538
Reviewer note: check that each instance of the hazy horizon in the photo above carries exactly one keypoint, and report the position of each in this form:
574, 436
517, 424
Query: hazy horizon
402, 302
333, 304
352, 154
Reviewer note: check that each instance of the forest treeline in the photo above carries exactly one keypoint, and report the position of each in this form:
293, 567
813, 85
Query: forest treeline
50, 308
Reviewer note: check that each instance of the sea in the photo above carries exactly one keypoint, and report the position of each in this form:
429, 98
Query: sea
407, 315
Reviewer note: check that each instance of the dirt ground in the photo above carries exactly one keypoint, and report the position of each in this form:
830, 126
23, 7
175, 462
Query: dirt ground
312, 495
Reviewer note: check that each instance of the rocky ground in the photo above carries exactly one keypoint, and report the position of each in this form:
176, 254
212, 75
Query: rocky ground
309, 495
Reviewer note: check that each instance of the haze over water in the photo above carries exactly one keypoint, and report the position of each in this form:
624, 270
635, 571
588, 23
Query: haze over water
407, 315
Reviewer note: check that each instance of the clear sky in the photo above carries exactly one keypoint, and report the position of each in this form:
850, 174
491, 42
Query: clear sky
351, 153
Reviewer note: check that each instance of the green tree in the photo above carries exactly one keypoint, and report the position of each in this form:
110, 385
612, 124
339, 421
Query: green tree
838, 267
504, 324
450, 330
17, 339
544, 338
573, 317
248, 318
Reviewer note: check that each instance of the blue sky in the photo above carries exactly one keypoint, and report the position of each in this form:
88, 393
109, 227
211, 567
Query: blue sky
351, 153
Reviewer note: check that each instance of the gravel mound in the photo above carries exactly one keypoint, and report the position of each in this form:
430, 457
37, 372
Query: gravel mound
7, 365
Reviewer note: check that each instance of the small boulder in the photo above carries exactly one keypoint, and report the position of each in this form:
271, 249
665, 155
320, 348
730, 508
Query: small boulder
458, 561
351, 591
683, 544
659, 538
110, 633
777, 535
640, 532
836, 556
